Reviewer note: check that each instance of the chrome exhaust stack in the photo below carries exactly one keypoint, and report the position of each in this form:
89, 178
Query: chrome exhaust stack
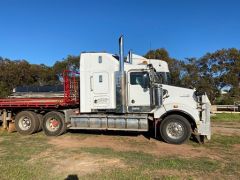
121, 55
130, 57
121, 81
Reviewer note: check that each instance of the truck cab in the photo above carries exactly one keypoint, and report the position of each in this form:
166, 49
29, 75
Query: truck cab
116, 94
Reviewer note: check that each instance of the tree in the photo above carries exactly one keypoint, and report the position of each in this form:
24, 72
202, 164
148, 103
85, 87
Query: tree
43, 75
222, 67
20, 73
213, 73
70, 63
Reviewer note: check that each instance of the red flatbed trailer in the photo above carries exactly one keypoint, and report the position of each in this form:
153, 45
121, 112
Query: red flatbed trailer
71, 97
35, 103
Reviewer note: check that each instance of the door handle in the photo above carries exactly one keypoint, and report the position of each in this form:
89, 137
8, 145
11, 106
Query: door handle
133, 101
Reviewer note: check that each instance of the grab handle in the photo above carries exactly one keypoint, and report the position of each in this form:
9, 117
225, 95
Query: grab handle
91, 85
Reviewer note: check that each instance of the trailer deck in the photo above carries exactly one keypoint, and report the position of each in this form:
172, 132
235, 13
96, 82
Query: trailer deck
34, 103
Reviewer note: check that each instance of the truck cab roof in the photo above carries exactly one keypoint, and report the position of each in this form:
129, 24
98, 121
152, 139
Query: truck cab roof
137, 60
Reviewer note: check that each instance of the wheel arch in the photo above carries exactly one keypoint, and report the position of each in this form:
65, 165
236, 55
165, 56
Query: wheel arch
186, 115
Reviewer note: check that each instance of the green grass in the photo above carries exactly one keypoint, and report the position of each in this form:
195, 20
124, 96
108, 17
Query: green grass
226, 117
232, 167
17, 152
222, 143
148, 161
142, 165
129, 174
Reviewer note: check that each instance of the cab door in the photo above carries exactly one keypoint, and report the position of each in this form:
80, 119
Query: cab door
138, 91
100, 90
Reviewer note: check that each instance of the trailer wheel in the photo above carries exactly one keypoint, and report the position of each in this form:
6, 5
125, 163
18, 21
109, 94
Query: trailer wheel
175, 129
54, 124
40, 119
26, 122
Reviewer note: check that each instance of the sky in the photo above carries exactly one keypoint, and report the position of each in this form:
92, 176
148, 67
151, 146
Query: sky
44, 31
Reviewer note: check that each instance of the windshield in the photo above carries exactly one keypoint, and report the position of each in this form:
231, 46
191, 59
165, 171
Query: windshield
165, 77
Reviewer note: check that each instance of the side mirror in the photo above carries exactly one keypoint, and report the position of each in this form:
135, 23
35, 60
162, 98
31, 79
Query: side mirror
146, 81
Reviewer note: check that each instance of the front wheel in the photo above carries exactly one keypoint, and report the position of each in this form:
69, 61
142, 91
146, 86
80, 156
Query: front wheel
175, 129
54, 124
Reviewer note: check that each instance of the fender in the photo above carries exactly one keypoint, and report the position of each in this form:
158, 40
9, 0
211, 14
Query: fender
192, 112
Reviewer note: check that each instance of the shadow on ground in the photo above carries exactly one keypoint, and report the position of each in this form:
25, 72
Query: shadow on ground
147, 135
72, 177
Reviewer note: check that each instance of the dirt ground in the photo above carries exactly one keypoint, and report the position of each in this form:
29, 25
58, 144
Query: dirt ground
84, 163
86, 153
226, 128
139, 142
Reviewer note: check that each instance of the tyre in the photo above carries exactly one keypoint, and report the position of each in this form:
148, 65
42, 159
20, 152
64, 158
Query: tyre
54, 124
40, 119
175, 129
26, 122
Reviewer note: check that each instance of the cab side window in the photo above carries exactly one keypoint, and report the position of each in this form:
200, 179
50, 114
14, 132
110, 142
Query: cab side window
137, 78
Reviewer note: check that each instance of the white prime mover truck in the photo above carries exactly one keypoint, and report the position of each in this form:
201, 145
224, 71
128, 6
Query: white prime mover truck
117, 94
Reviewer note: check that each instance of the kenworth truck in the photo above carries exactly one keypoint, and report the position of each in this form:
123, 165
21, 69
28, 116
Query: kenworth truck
114, 93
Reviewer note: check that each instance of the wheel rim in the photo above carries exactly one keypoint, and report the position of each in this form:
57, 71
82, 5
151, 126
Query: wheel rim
175, 130
24, 123
52, 124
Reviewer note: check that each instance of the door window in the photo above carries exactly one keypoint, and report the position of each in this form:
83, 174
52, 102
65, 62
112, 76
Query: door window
137, 78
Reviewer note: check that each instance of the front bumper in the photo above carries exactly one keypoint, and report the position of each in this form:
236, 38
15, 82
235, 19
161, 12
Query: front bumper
204, 127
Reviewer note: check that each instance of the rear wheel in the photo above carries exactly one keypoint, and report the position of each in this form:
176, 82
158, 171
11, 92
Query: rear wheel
54, 124
26, 122
175, 129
